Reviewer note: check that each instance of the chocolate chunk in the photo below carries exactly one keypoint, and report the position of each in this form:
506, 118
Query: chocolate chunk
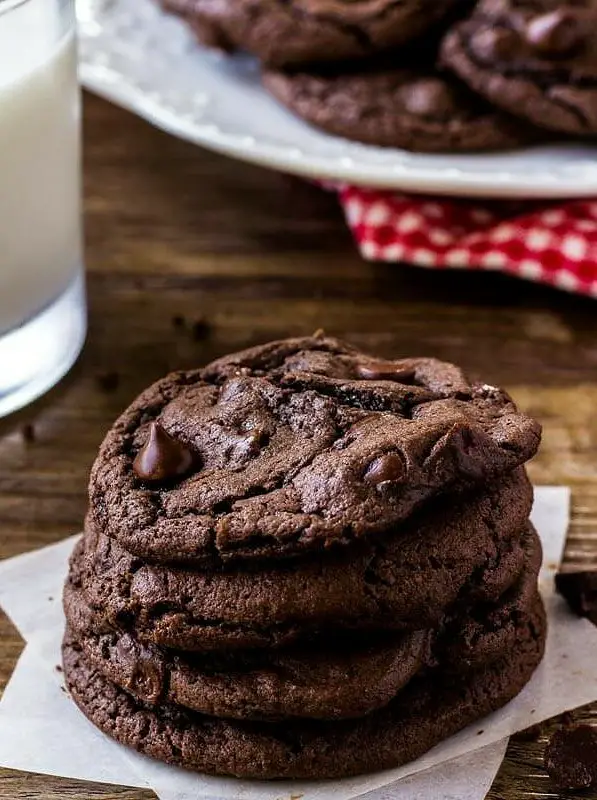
571, 757
141, 667
388, 467
554, 34
384, 371
579, 589
162, 457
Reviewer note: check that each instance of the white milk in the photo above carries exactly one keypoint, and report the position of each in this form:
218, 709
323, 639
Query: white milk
40, 249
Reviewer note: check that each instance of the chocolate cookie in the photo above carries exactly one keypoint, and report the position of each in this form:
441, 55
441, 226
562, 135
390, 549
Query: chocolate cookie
534, 58
405, 581
414, 109
296, 446
343, 681
333, 679
305, 31
425, 712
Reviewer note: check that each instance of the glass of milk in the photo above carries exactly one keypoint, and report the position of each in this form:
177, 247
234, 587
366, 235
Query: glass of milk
42, 292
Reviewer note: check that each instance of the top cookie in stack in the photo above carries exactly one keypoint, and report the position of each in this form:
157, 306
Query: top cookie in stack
508, 73
303, 561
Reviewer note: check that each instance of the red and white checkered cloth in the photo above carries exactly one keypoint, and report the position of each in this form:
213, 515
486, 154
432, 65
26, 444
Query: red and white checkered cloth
546, 242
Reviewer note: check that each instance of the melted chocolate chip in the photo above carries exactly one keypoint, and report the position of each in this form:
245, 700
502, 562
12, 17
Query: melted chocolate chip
571, 757
388, 467
142, 668
384, 371
429, 97
579, 589
554, 34
501, 43
162, 457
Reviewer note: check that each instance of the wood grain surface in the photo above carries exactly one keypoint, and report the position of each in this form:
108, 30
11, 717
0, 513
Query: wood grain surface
191, 255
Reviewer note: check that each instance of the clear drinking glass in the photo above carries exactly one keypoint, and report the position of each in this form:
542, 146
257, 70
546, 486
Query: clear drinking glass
42, 291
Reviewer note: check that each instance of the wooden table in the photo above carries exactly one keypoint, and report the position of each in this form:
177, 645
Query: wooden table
191, 255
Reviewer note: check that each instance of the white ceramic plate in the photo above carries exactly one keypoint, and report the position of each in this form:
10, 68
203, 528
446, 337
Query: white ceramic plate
148, 62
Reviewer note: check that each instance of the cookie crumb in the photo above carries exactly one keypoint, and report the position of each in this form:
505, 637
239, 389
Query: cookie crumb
200, 330
58, 668
28, 433
108, 381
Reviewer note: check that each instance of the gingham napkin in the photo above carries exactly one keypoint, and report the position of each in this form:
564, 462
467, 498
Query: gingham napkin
545, 242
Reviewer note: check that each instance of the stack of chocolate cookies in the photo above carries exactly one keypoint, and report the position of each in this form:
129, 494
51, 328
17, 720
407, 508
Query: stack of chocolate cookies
305, 562
425, 75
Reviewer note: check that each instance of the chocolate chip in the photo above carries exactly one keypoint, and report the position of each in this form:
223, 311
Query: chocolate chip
384, 371
162, 457
387, 467
429, 97
142, 668
178, 321
497, 43
108, 381
571, 757
557, 33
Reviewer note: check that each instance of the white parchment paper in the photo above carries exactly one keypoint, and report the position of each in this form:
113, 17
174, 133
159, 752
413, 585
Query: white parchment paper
41, 730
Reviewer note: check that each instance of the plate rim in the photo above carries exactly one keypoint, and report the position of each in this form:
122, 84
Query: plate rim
115, 86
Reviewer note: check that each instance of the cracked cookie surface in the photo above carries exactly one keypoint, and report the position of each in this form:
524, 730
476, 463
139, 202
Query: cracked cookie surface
299, 446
